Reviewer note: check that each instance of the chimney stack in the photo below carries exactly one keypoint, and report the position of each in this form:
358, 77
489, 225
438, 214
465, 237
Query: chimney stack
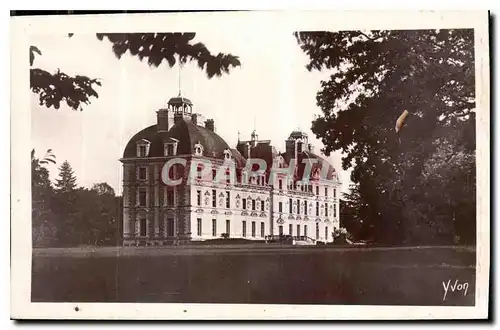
209, 124
178, 117
194, 118
162, 120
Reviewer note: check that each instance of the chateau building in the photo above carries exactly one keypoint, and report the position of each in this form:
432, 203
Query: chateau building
297, 194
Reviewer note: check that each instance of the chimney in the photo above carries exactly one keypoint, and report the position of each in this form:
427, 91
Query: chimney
162, 120
194, 118
178, 116
209, 124
290, 146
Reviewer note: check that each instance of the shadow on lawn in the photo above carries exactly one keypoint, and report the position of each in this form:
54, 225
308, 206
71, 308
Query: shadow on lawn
273, 276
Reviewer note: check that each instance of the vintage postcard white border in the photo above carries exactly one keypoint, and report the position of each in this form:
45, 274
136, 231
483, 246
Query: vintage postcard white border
288, 21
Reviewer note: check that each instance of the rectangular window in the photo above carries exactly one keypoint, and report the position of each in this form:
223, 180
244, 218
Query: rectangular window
253, 228
142, 197
262, 229
170, 227
298, 230
317, 190
326, 233
142, 151
253, 204
142, 173
305, 230
298, 206
170, 196
142, 226
170, 149
326, 209
280, 207
334, 193
290, 202
198, 172
199, 226
214, 198
317, 230
317, 209
305, 207
280, 228
244, 228
290, 229
214, 227
228, 227
228, 199
262, 205
244, 203
326, 191
280, 184
334, 210
198, 197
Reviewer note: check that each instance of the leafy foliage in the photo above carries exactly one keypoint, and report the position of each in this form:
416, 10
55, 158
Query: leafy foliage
375, 76
71, 215
170, 47
56, 88
59, 87
103, 189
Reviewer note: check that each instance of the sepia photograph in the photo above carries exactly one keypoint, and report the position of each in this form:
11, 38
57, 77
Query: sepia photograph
273, 164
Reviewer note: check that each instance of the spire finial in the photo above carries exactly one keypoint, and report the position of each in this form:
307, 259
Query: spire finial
179, 76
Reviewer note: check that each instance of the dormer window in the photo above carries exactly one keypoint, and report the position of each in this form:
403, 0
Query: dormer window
227, 154
281, 161
170, 147
198, 149
143, 148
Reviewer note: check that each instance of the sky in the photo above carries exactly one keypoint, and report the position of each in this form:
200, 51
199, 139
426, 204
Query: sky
272, 92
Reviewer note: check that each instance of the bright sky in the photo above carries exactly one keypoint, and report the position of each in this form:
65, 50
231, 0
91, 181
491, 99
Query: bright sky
272, 87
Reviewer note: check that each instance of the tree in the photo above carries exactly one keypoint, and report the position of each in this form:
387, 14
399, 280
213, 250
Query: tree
170, 47
103, 188
43, 229
58, 87
67, 180
375, 76
54, 88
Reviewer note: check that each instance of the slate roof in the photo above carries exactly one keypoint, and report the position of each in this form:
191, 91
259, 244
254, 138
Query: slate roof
188, 135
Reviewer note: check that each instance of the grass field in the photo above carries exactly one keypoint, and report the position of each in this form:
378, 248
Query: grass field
256, 274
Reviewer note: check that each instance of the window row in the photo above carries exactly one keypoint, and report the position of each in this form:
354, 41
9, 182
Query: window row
306, 188
301, 206
215, 232
143, 198
298, 231
247, 203
241, 176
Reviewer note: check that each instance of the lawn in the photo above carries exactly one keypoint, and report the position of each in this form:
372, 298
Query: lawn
254, 274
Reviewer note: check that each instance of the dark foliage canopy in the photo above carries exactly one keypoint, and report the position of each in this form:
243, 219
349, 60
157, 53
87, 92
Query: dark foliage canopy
375, 76
156, 48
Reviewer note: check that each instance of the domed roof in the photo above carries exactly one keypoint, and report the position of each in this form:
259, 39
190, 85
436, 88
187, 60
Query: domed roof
179, 100
298, 133
187, 133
